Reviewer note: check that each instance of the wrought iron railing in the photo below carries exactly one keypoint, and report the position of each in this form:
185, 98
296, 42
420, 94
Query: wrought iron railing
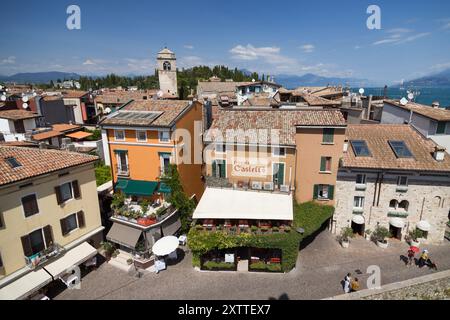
52, 251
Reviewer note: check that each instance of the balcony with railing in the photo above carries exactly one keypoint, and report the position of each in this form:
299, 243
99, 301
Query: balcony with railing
52, 251
231, 227
251, 185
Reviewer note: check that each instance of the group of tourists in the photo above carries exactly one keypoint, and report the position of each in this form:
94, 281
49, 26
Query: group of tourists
424, 258
350, 284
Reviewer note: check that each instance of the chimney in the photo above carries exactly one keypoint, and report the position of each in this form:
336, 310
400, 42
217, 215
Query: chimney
42, 145
71, 147
208, 110
439, 153
345, 146
435, 104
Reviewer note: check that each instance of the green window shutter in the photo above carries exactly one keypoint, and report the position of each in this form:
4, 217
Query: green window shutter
316, 191
323, 162
223, 169
328, 135
214, 168
330, 192
281, 173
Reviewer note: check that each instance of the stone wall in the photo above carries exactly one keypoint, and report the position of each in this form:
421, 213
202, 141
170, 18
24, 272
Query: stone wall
428, 197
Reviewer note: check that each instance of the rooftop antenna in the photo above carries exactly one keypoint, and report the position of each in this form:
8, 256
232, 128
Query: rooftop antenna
361, 91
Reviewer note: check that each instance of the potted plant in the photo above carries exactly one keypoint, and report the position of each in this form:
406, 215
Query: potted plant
344, 237
275, 229
254, 228
130, 261
108, 249
144, 205
368, 234
118, 200
379, 235
287, 229
414, 236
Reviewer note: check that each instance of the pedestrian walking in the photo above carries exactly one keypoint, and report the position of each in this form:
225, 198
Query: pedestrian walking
355, 285
347, 283
423, 258
411, 255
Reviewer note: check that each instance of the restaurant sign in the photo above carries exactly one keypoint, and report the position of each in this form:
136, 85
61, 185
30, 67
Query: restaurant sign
248, 167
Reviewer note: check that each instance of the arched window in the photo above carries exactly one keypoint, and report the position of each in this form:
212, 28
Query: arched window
437, 202
403, 205
167, 66
393, 204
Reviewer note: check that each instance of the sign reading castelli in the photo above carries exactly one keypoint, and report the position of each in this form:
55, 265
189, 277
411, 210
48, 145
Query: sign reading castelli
247, 167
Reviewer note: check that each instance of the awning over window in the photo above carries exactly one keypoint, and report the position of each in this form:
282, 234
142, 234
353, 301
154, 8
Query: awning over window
73, 257
240, 204
124, 235
397, 222
171, 225
136, 187
26, 285
424, 225
163, 188
358, 219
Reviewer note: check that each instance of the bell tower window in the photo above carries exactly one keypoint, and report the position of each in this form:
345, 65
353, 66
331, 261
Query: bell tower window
166, 66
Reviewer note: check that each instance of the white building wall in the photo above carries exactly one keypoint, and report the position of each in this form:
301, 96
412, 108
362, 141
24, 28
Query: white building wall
78, 114
428, 197
106, 152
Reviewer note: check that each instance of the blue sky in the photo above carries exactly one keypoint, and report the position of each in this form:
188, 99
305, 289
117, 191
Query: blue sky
328, 38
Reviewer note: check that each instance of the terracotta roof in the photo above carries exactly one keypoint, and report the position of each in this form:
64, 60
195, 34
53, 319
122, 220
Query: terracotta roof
79, 135
35, 162
62, 127
382, 155
17, 114
51, 98
285, 121
47, 135
160, 113
318, 101
18, 144
225, 87
121, 97
250, 83
74, 94
438, 114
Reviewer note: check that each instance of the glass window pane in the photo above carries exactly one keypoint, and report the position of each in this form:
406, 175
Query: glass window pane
71, 222
37, 241
66, 191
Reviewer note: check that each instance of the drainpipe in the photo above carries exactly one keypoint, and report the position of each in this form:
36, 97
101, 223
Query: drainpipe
379, 189
375, 189
421, 210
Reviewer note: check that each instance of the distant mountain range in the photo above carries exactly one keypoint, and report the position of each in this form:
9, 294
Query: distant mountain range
309, 79
39, 77
441, 79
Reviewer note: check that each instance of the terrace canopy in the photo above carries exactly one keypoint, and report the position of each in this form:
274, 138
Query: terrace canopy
136, 187
240, 204
21, 288
124, 235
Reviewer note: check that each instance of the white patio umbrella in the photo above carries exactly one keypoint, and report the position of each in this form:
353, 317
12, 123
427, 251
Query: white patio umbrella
165, 246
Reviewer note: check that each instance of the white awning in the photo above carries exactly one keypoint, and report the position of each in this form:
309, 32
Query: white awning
73, 257
26, 285
241, 204
424, 225
358, 219
397, 222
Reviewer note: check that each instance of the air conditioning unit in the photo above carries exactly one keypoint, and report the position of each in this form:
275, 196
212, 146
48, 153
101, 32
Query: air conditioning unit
284, 188
268, 186
256, 185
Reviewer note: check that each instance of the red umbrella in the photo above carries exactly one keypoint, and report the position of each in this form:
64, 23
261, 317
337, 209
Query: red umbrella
414, 249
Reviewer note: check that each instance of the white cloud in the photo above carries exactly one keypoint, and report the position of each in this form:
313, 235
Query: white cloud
9, 60
400, 35
308, 48
357, 47
88, 62
140, 65
270, 55
188, 46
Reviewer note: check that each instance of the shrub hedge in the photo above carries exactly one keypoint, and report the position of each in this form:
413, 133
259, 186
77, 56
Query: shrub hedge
310, 216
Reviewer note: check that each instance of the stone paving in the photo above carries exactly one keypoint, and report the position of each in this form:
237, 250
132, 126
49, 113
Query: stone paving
320, 269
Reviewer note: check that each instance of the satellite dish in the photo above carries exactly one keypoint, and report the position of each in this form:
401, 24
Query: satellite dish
1, 87
25, 99
108, 110
25, 105
3, 98
410, 96
404, 101
34, 94
361, 91
160, 94
253, 80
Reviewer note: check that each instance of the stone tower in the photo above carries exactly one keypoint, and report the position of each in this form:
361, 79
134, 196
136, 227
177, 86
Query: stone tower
167, 72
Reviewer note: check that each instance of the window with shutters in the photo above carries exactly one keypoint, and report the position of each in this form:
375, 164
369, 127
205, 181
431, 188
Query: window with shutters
67, 191
328, 135
325, 164
37, 242
72, 222
119, 135
219, 169
323, 192
30, 205
278, 174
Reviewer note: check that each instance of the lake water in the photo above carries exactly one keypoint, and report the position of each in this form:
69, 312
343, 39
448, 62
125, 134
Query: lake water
426, 96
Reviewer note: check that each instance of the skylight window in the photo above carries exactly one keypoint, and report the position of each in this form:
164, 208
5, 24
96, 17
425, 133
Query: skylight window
13, 162
400, 149
360, 148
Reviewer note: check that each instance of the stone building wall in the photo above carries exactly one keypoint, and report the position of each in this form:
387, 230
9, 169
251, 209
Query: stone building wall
428, 197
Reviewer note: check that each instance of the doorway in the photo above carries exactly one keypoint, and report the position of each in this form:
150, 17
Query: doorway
396, 233
358, 228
